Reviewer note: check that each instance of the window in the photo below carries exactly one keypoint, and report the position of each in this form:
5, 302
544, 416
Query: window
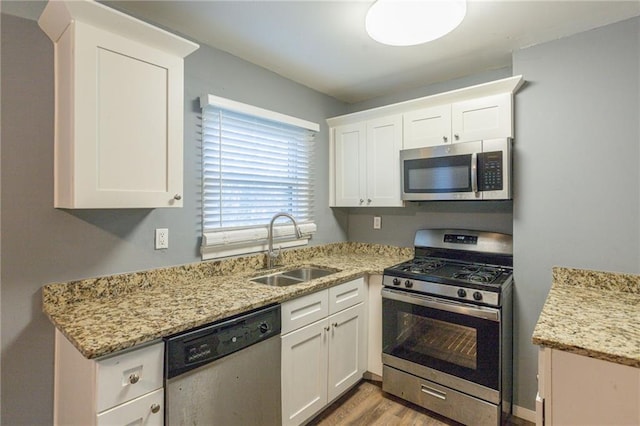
255, 163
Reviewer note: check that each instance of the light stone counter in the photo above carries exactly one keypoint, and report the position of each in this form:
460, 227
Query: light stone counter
104, 315
591, 313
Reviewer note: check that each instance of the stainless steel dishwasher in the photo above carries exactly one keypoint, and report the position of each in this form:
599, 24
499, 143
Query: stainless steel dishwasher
225, 373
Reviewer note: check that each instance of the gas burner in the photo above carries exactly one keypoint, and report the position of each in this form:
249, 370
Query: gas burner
421, 266
474, 277
425, 265
476, 274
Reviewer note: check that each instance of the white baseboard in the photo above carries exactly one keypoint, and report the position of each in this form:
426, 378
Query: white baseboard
524, 413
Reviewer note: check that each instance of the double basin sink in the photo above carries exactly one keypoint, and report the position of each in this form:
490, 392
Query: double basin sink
294, 276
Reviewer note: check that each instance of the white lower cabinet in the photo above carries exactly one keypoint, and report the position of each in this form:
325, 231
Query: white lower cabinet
323, 359
124, 389
578, 390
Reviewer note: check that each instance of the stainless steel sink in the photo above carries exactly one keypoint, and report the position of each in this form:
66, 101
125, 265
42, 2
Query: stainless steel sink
294, 276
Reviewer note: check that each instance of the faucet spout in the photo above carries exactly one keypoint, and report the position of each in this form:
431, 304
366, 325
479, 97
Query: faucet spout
271, 255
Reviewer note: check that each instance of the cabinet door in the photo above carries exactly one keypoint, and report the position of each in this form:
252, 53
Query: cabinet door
427, 127
304, 372
347, 349
585, 391
482, 118
350, 172
384, 142
126, 147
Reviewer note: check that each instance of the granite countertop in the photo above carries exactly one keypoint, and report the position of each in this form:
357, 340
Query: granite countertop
591, 313
104, 315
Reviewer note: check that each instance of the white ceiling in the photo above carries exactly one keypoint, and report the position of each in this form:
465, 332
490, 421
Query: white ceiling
323, 44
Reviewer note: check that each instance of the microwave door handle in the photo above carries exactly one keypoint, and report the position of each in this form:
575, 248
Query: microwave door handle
474, 172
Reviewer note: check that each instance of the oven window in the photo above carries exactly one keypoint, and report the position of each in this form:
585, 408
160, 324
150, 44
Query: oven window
453, 343
461, 345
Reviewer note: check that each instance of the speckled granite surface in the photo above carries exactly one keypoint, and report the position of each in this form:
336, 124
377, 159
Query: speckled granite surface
104, 315
592, 313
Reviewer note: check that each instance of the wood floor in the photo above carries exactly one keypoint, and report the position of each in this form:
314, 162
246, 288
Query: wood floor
367, 404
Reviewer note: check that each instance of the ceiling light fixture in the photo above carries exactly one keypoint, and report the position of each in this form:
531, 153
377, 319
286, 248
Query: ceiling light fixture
411, 22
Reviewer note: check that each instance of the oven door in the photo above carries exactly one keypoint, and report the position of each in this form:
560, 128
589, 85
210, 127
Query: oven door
447, 172
458, 339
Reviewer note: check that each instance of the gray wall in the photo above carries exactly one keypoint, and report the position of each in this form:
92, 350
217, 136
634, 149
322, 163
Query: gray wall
41, 244
577, 195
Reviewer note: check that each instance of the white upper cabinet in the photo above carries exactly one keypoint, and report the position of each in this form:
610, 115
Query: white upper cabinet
487, 117
427, 127
365, 146
119, 108
366, 157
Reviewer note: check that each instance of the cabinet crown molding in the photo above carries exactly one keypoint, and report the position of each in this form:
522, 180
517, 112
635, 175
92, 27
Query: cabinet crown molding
59, 14
506, 85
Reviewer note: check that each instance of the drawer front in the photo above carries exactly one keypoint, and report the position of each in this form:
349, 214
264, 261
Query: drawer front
346, 295
147, 410
127, 376
304, 310
432, 396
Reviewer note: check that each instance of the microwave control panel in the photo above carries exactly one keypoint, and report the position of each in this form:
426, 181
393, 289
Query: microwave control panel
490, 171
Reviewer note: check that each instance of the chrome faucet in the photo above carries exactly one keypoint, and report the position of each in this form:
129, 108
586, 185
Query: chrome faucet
271, 256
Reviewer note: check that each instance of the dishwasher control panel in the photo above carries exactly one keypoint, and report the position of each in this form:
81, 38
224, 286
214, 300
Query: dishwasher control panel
199, 346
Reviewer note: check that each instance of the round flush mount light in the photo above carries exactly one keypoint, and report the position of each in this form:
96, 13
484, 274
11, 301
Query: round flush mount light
411, 22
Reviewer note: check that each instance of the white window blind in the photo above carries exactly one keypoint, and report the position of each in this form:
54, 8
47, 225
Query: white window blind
255, 163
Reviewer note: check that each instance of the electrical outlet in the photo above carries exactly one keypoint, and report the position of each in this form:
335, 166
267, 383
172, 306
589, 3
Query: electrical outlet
377, 222
162, 238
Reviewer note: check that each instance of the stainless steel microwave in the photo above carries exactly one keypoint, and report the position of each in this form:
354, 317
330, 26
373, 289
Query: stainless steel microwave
478, 170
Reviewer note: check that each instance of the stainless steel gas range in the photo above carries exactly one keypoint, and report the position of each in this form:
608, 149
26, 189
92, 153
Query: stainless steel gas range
447, 325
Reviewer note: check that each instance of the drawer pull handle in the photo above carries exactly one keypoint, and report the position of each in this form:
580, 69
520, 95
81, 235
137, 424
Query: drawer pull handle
155, 408
434, 392
134, 378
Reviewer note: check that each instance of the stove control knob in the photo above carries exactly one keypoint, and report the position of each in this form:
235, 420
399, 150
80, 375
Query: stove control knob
408, 284
396, 281
477, 295
462, 292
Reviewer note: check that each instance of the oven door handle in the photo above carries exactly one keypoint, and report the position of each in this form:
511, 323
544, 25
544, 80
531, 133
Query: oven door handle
490, 314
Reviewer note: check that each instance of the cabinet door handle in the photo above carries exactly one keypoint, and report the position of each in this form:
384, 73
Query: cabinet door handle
134, 378
327, 328
445, 139
155, 408
456, 136
361, 200
368, 200
177, 197
335, 325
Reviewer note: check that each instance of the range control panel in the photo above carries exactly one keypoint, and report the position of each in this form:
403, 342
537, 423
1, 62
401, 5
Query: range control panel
460, 239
